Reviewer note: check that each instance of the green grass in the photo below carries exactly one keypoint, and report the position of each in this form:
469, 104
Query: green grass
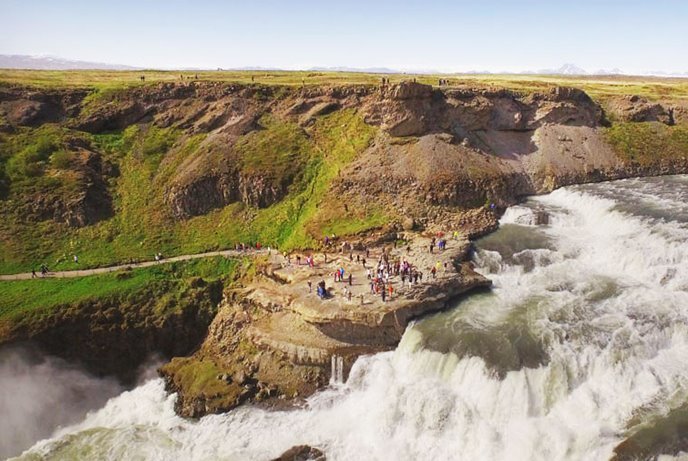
147, 159
276, 152
108, 83
40, 296
649, 142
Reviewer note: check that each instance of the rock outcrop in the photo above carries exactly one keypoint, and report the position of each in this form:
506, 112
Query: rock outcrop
282, 340
25, 107
637, 109
301, 453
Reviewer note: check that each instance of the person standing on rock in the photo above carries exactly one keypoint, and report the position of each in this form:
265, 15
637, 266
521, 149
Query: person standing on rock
310, 286
351, 280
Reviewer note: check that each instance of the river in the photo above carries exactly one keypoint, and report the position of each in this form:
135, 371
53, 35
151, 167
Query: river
582, 343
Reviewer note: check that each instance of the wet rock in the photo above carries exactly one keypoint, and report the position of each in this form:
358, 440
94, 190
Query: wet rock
301, 453
541, 218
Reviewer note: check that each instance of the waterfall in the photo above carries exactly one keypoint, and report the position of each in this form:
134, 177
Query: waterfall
582, 341
337, 370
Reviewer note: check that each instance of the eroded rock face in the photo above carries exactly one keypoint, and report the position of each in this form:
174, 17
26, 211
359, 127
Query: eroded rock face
115, 336
89, 203
216, 190
639, 109
22, 107
413, 109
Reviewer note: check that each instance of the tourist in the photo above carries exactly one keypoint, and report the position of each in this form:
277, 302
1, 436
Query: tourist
351, 279
76, 259
33, 273
310, 286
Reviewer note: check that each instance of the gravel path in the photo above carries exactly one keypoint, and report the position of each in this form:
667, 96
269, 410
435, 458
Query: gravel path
103, 270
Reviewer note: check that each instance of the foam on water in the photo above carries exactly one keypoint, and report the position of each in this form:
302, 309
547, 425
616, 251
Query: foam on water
596, 333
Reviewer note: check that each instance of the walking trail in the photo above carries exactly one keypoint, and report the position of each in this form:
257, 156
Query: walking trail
103, 270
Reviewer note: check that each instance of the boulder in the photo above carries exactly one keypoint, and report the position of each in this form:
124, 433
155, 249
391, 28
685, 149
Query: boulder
301, 453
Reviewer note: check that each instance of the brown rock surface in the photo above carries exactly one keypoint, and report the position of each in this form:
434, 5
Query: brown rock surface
281, 336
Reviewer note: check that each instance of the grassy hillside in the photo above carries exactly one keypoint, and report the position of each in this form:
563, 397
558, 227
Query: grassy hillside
45, 169
29, 301
644, 143
145, 158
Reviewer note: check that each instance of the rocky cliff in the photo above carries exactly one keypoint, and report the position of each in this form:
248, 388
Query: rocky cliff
192, 165
275, 341
444, 146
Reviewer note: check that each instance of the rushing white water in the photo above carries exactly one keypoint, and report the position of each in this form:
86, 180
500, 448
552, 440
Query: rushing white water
584, 336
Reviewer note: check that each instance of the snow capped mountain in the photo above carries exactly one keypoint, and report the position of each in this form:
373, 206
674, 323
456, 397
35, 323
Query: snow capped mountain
19, 61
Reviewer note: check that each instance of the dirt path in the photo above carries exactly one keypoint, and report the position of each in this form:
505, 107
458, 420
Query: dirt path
103, 270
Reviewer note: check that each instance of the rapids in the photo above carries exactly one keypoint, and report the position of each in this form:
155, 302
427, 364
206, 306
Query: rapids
582, 343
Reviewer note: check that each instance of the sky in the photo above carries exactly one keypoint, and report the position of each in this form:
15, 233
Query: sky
440, 35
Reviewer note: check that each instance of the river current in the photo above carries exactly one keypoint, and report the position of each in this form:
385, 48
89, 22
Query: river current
581, 345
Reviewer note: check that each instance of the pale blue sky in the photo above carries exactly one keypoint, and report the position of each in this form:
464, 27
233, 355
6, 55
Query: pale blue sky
493, 35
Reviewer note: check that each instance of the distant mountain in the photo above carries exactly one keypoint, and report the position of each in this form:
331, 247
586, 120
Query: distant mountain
566, 69
19, 61
368, 70
615, 71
